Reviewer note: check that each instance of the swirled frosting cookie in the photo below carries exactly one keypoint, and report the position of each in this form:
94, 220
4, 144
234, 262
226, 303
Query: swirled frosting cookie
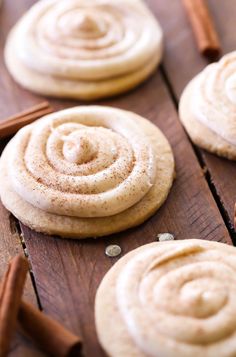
84, 49
208, 108
170, 299
86, 172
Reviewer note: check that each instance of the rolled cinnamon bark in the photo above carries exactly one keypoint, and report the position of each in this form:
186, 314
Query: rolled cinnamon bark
203, 27
11, 125
11, 291
52, 337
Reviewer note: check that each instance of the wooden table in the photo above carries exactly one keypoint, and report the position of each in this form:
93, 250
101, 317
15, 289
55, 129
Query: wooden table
66, 273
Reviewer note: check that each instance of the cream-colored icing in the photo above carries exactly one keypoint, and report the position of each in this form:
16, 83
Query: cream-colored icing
213, 101
79, 43
170, 299
90, 162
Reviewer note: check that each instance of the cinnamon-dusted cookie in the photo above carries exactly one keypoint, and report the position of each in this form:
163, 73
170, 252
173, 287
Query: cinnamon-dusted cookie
208, 108
170, 299
84, 49
86, 172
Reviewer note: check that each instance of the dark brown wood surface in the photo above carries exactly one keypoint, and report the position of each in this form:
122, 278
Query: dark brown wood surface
182, 62
68, 272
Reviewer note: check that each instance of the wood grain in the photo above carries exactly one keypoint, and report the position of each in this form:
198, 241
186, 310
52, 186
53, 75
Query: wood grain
68, 272
10, 245
181, 53
10, 242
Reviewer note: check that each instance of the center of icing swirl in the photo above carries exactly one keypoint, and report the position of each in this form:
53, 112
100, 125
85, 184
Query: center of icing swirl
88, 23
78, 149
203, 299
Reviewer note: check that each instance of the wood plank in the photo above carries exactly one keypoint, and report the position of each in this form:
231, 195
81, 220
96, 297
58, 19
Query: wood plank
67, 272
182, 61
10, 245
10, 242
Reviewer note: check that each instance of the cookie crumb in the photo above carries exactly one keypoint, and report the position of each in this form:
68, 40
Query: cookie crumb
113, 250
162, 237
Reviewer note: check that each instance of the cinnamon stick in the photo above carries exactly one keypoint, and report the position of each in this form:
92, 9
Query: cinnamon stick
10, 299
52, 337
203, 27
11, 125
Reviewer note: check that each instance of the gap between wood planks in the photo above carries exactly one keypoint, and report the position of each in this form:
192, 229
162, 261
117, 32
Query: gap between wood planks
26, 254
201, 162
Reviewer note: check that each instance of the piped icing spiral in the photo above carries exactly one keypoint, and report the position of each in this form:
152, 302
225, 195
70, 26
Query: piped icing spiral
84, 49
208, 107
170, 299
86, 163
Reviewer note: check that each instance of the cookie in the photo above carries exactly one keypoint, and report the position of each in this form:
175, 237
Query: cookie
173, 298
86, 172
208, 108
84, 49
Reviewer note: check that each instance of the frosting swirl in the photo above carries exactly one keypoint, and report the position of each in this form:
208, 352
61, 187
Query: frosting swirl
214, 97
89, 48
173, 299
85, 163
86, 172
